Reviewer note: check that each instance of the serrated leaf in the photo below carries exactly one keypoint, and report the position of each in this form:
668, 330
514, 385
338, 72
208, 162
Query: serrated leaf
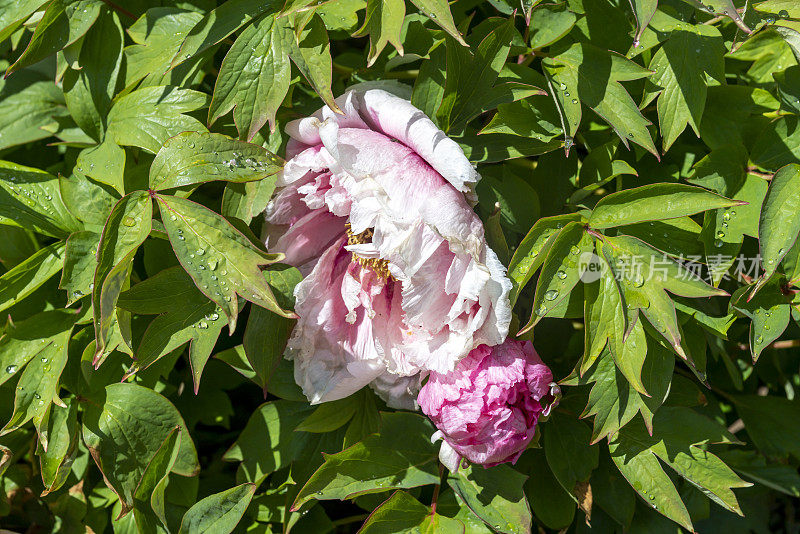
124, 428
654, 202
127, 227
193, 158
495, 495
312, 55
400, 456
215, 255
402, 513
30, 199
599, 88
218, 513
148, 117
63, 23
29, 275
613, 401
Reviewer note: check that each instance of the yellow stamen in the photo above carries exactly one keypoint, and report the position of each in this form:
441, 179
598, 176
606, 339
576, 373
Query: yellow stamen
379, 266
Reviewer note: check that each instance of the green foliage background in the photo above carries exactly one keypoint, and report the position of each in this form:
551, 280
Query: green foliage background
130, 194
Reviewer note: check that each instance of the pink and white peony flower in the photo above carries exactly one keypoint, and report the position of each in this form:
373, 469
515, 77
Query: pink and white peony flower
374, 207
487, 409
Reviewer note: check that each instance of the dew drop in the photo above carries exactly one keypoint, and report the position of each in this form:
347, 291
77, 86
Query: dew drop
541, 310
200, 252
561, 274
783, 14
128, 221
720, 234
574, 100
212, 264
574, 250
718, 243
11, 369
37, 396
202, 325
551, 294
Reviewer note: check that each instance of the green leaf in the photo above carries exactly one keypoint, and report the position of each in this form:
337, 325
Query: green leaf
26, 339
29, 101
495, 495
63, 23
613, 401
158, 35
311, 52
569, 453
29, 275
682, 68
218, 513
186, 316
104, 163
56, 459
550, 504
90, 201
769, 311
330, 415
38, 385
80, 263
721, 7
779, 223
677, 432
147, 117
13, 13
254, 77
765, 419
267, 333
561, 270
124, 429
439, 12
88, 91
193, 158
654, 202
402, 513
592, 75
383, 22
246, 200
219, 23
30, 199
643, 10
644, 274
789, 88
778, 144
529, 254
549, 23
400, 456
127, 227
215, 255
777, 6
612, 493
276, 422
470, 76
154, 478
752, 465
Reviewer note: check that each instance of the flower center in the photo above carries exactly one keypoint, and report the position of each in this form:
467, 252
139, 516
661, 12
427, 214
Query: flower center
379, 266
